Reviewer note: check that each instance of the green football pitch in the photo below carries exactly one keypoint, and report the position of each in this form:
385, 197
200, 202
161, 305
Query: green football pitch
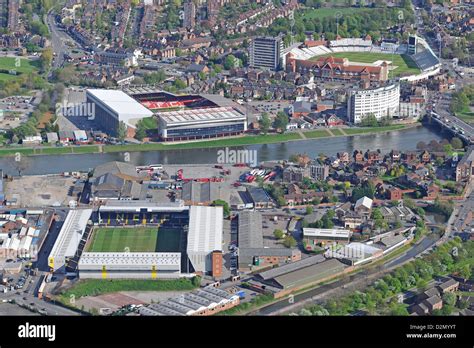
135, 239
403, 64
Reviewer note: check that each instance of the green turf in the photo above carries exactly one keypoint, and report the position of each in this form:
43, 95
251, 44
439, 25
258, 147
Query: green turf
336, 132
94, 287
466, 115
133, 239
10, 63
320, 13
403, 63
316, 134
368, 130
168, 240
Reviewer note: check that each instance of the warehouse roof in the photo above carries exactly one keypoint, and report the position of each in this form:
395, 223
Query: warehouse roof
204, 191
291, 267
310, 274
392, 240
250, 229
246, 255
205, 229
190, 303
258, 194
121, 169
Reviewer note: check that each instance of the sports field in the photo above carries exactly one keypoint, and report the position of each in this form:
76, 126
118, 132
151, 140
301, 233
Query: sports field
123, 239
22, 65
135, 239
403, 64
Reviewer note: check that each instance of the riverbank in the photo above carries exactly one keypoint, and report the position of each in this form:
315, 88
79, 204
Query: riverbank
227, 142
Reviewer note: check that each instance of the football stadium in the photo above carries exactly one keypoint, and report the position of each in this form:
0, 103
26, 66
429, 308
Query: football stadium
356, 59
190, 117
125, 239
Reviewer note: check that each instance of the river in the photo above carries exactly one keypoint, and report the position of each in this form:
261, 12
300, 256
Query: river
53, 164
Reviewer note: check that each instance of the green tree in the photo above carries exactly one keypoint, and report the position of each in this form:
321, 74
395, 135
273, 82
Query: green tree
278, 234
46, 58
289, 242
309, 210
281, 121
265, 123
456, 143
179, 84
141, 131
224, 204
122, 131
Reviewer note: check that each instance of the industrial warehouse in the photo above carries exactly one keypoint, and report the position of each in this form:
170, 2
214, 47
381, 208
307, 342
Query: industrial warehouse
141, 240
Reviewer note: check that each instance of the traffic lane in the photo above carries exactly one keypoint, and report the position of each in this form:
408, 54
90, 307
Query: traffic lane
38, 304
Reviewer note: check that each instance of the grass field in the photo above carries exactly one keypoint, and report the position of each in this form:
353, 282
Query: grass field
337, 132
331, 12
118, 239
404, 64
94, 287
168, 240
467, 115
368, 130
135, 239
316, 134
9, 63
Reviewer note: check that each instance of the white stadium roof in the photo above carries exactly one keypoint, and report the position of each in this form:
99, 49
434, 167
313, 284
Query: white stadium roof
119, 103
69, 236
205, 229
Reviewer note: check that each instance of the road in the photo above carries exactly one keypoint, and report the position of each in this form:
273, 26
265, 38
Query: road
443, 100
28, 300
58, 41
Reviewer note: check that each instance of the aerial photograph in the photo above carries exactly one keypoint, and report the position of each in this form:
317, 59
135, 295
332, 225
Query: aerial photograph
237, 158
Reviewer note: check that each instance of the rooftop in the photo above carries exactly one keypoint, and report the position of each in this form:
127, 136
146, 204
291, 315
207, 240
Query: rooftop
204, 115
121, 104
250, 229
326, 233
129, 260
205, 229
